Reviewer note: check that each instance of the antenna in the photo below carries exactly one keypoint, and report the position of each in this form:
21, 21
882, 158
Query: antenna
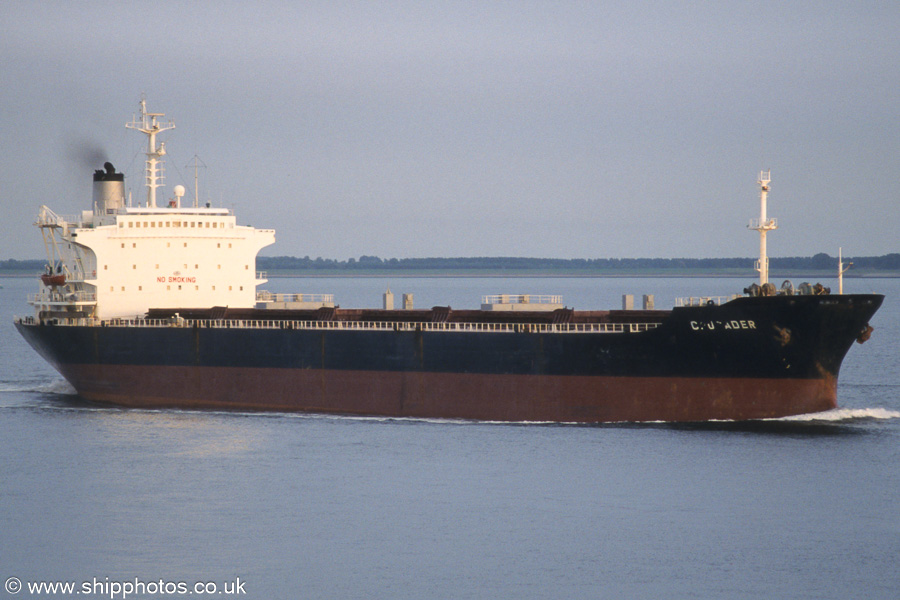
763, 225
149, 126
197, 164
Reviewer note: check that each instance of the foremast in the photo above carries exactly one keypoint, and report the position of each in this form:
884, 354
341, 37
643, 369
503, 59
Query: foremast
763, 225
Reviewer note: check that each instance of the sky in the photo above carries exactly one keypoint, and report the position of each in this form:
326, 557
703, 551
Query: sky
434, 129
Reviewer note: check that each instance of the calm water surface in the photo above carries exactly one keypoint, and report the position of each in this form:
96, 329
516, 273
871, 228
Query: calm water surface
329, 507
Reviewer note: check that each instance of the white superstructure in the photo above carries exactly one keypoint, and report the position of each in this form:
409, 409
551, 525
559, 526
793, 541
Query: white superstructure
119, 261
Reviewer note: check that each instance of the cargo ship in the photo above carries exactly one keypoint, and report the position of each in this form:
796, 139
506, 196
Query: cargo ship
160, 307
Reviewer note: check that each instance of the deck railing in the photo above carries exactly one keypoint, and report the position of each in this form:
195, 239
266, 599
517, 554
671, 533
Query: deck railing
65, 298
264, 296
704, 300
180, 322
767, 224
521, 299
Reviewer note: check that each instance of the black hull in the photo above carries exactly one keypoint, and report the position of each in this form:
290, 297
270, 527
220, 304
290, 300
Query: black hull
750, 358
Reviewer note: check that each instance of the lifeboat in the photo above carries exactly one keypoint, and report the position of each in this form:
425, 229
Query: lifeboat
53, 280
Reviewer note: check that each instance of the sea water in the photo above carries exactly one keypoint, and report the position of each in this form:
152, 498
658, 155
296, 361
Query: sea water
145, 504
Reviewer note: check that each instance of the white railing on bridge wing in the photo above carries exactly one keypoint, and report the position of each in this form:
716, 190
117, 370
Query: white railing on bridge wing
46, 217
369, 325
704, 300
521, 299
262, 275
64, 298
264, 296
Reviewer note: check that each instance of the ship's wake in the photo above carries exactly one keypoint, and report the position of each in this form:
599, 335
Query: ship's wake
842, 415
838, 421
58, 386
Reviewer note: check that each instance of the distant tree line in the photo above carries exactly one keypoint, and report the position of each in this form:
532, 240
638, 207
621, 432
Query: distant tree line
13, 265
821, 261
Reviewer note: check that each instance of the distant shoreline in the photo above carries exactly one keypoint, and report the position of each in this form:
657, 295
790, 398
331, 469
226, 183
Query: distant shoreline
818, 267
775, 277
524, 274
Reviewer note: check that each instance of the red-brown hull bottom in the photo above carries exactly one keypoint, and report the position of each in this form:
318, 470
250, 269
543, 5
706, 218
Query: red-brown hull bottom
453, 395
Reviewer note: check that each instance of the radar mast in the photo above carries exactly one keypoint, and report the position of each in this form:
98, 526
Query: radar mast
150, 126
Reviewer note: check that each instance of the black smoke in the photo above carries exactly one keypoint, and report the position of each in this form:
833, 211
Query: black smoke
88, 155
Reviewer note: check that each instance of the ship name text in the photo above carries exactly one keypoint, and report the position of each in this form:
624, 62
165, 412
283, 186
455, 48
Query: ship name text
713, 325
